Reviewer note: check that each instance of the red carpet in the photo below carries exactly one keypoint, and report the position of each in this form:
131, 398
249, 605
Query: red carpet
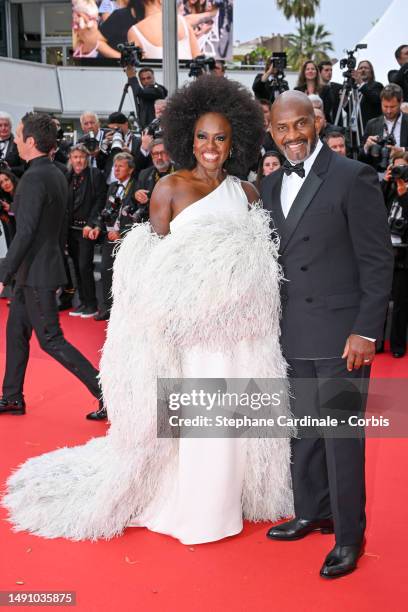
143, 571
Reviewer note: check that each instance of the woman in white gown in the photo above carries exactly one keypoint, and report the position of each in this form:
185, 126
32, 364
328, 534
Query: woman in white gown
200, 302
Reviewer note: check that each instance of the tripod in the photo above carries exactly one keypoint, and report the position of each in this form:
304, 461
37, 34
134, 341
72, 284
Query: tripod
135, 119
350, 102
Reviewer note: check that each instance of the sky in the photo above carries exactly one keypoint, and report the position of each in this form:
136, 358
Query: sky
347, 20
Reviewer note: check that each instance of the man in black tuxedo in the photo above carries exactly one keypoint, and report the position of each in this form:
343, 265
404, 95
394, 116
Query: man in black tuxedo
392, 123
337, 259
400, 77
35, 260
145, 92
326, 73
8, 148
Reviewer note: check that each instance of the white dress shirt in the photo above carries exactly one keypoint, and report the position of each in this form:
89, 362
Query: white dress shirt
291, 184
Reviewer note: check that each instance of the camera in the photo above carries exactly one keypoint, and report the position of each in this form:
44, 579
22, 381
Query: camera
90, 141
138, 212
350, 62
118, 142
4, 165
199, 65
110, 213
399, 172
154, 128
130, 55
381, 151
279, 62
398, 225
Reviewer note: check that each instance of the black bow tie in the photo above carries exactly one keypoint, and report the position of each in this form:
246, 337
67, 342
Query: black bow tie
288, 168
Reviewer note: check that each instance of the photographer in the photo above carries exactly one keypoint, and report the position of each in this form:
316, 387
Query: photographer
92, 134
271, 83
8, 186
326, 72
387, 135
395, 190
9, 157
369, 91
117, 138
148, 178
400, 77
145, 92
117, 216
86, 198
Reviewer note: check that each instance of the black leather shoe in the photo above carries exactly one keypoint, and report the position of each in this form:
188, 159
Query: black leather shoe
98, 415
103, 315
398, 354
341, 560
299, 528
12, 407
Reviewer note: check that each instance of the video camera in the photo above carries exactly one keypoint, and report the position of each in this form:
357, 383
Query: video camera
200, 65
279, 62
130, 54
350, 62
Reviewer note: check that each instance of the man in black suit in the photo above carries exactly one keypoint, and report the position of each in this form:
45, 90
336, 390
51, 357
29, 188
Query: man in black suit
369, 91
337, 259
400, 77
326, 73
35, 260
148, 178
8, 148
391, 124
145, 92
113, 221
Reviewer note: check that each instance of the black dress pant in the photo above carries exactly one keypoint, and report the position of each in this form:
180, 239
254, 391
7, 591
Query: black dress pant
328, 468
81, 250
107, 273
34, 308
399, 322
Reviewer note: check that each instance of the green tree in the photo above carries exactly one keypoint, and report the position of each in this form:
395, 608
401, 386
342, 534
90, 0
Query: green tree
310, 43
301, 10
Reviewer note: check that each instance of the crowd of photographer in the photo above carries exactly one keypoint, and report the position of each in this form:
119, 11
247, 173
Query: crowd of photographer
111, 171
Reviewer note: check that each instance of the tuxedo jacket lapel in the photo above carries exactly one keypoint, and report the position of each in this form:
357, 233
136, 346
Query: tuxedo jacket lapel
305, 196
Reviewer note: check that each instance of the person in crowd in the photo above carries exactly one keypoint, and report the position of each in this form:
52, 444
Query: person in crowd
34, 259
113, 221
219, 68
321, 122
369, 91
265, 84
338, 268
269, 162
400, 77
106, 7
326, 73
145, 92
92, 136
87, 194
9, 156
391, 125
148, 33
336, 141
309, 82
8, 186
395, 190
113, 30
127, 143
404, 107
147, 179
61, 154
201, 299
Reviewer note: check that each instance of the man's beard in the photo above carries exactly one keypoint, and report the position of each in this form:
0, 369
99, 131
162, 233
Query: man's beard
162, 167
310, 147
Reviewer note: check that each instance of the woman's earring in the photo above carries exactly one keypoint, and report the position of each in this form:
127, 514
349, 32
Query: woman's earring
230, 153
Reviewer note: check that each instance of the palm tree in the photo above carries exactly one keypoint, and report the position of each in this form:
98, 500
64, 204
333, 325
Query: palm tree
301, 10
312, 43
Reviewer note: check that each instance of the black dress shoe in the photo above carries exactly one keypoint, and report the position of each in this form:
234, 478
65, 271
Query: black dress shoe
98, 415
398, 354
299, 528
102, 315
341, 560
12, 407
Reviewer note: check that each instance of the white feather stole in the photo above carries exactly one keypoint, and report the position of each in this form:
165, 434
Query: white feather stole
214, 283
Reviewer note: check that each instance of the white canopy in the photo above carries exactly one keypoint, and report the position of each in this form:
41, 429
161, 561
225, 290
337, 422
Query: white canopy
387, 34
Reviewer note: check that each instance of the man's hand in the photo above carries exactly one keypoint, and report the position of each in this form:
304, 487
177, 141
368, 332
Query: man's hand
85, 231
267, 73
146, 141
357, 76
130, 71
94, 233
141, 196
112, 236
387, 176
402, 187
5, 205
371, 140
396, 150
358, 352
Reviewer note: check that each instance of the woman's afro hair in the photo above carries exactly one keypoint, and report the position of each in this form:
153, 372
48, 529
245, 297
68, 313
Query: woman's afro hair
212, 94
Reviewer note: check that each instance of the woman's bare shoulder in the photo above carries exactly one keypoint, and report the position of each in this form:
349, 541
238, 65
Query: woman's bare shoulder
251, 191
